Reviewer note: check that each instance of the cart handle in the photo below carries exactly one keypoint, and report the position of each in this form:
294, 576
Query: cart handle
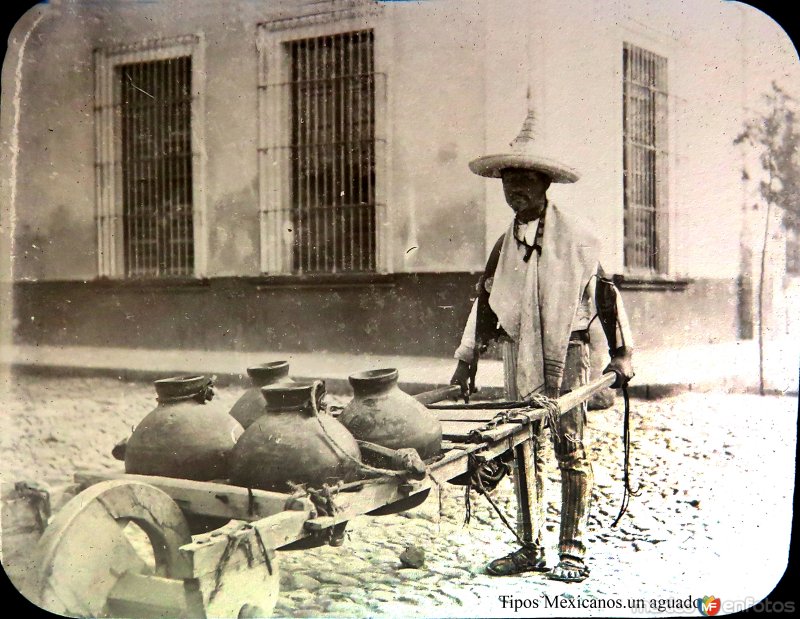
566, 401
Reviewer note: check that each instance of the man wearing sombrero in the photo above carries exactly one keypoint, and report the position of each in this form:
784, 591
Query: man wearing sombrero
537, 297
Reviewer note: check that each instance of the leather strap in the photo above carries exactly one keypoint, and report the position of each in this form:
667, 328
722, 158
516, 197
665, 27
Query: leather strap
486, 327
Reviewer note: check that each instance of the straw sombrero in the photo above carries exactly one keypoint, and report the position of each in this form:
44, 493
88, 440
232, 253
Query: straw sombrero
524, 155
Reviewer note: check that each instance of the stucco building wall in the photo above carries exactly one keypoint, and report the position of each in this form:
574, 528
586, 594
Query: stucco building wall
459, 79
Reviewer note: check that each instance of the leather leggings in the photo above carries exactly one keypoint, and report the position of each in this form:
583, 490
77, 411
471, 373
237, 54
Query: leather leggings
577, 477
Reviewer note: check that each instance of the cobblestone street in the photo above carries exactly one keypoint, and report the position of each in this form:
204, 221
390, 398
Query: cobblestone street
713, 516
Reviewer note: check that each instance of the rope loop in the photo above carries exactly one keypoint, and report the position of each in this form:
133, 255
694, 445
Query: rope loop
552, 411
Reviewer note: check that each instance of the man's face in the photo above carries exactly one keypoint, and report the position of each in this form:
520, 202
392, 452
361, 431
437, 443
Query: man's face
525, 192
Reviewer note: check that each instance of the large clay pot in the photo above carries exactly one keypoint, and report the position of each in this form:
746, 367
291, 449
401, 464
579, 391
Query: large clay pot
383, 414
294, 443
186, 435
251, 405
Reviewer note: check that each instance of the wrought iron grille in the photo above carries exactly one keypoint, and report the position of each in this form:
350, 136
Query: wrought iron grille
645, 158
333, 153
322, 158
156, 166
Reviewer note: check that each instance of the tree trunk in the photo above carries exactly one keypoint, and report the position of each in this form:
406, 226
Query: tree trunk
761, 280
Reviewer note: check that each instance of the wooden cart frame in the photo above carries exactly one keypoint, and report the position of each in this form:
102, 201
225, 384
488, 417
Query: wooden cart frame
83, 567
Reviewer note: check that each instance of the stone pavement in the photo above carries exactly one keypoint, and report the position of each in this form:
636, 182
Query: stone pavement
730, 366
712, 517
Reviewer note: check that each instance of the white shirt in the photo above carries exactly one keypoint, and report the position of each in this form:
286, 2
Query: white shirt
525, 233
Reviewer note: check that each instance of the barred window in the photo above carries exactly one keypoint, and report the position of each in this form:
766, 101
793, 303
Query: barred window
333, 153
149, 172
156, 161
645, 158
322, 157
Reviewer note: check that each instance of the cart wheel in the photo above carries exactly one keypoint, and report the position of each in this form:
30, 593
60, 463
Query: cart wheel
110, 530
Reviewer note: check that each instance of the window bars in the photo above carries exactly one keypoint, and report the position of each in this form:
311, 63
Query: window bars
148, 158
645, 159
323, 154
156, 163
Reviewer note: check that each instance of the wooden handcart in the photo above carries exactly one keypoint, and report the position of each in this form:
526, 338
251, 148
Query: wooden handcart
86, 565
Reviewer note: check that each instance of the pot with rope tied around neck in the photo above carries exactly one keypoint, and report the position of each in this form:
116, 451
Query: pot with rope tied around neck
295, 442
187, 435
297, 446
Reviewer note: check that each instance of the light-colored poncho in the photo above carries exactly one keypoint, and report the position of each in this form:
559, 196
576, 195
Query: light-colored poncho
536, 301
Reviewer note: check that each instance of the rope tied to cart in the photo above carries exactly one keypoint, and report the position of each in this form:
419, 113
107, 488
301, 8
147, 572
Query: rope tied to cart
323, 500
475, 465
492, 471
477, 471
327, 500
552, 411
483, 475
480, 471
321, 497
234, 541
533, 402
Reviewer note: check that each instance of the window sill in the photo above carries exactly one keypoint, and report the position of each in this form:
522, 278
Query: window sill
325, 280
180, 283
652, 282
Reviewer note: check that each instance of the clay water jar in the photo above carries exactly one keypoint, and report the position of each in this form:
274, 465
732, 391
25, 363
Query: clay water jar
383, 414
292, 442
186, 435
251, 405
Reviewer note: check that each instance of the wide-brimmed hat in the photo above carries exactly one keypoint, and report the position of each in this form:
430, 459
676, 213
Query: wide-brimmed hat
526, 155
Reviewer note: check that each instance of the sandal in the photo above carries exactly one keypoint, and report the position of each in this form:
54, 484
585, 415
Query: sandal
526, 559
569, 569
